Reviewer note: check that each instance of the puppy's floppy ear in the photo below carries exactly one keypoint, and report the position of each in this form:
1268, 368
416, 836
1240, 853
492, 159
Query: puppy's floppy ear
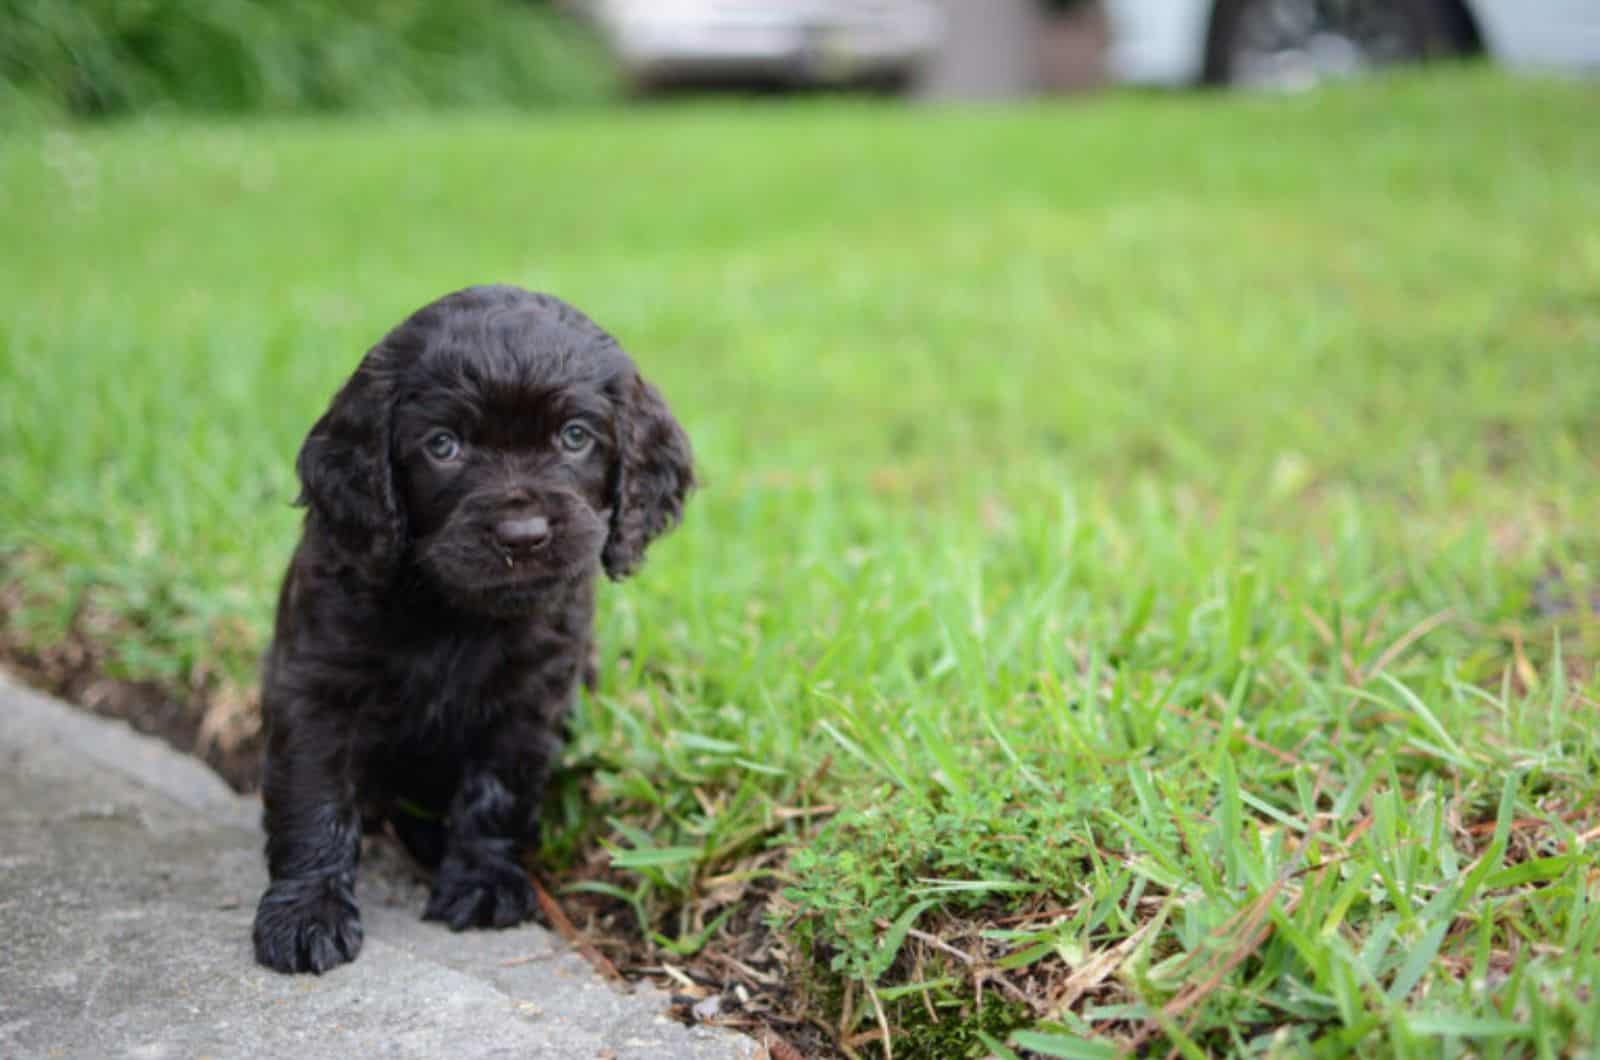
653, 476
346, 478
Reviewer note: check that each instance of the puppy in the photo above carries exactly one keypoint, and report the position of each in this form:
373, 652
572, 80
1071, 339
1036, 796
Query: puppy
486, 460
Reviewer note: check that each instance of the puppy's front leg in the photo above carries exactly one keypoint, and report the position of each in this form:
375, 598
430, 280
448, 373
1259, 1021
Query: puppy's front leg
481, 881
307, 920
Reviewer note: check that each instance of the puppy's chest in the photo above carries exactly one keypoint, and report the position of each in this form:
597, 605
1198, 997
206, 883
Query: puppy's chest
455, 688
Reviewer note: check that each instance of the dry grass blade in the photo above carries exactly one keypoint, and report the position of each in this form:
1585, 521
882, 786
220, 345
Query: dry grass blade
883, 1023
1095, 971
517, 962
777, 1048
1483, 828
1216, 726
1255, 931
564, 927
941, 945
753, 975
1408, 638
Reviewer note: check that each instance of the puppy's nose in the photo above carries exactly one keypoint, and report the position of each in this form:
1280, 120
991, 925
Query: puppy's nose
522, 534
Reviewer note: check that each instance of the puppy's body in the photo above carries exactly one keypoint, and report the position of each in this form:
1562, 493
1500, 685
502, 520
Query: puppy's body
485, 462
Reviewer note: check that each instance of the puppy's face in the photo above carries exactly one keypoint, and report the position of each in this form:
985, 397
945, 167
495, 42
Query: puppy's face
505, 482
499, 442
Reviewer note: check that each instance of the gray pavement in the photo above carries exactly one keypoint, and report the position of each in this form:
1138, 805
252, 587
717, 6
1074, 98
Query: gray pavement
128, 880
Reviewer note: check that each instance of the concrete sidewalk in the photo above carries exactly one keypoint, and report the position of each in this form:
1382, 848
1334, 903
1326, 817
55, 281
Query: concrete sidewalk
128, 879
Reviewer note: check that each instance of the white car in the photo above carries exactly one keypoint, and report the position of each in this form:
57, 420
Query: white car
790, 41
1287, 44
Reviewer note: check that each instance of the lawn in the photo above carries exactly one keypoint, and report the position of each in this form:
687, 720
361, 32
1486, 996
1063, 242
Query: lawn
1143, 586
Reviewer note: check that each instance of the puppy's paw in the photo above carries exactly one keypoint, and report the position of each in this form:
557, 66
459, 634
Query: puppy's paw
307, 925
491, 892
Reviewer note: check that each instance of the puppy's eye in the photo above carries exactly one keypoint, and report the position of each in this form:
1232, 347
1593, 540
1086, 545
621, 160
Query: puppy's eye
443, 446
575, 437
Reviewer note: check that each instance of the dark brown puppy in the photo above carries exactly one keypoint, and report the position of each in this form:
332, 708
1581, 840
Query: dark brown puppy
488, 458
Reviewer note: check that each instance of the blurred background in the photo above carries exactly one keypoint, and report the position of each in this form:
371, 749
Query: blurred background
950, 48
104, 56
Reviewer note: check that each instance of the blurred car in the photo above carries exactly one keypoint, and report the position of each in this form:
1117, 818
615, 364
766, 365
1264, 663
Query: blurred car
1289, 44
801, 42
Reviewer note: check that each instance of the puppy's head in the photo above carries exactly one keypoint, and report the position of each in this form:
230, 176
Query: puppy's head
500, 441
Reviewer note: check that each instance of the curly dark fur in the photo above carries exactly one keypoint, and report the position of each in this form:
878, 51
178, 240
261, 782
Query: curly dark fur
436, 618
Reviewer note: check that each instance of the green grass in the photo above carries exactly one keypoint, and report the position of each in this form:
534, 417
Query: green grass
1113, 595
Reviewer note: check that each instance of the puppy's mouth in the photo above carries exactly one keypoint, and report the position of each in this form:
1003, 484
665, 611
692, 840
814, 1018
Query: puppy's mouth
506, 599
477, 576
507, 573
517, 591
